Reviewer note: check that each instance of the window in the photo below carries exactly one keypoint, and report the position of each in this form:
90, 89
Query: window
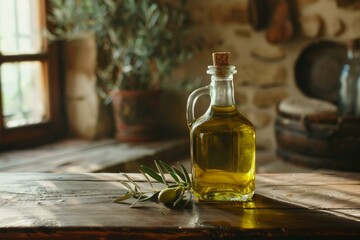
30, 90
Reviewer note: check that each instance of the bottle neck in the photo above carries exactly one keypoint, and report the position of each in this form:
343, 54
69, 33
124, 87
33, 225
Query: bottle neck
222, 87
354, 49
353, 53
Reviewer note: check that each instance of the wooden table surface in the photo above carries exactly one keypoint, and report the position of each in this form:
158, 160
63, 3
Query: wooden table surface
80, 206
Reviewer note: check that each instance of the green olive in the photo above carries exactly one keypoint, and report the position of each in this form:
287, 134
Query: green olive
179, 191
167, 195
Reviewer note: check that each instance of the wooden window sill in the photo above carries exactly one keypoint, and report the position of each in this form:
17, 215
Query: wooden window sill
80, 156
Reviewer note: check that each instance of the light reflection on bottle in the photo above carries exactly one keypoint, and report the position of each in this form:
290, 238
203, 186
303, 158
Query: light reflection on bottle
349, 96
226, 215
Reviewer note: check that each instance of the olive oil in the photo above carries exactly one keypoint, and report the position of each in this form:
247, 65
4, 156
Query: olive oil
222, 143
223, 164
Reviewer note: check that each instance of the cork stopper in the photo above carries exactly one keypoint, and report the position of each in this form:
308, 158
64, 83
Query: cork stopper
221, 58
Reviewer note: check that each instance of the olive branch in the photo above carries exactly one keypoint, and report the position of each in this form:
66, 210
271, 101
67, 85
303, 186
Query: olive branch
175, 193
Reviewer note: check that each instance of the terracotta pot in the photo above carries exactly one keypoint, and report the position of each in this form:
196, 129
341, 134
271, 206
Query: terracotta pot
136, 115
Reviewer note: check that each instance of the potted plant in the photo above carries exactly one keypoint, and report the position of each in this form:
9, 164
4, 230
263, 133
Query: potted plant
139, 43
145, 41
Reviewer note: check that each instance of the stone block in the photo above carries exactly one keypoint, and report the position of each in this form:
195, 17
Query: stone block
259, 118
335, 27
312, 26
262, 74
219, 12
354, 27
268, 97
268, 53
240, 97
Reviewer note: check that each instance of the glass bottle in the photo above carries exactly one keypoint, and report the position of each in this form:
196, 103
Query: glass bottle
349, 96
222, 140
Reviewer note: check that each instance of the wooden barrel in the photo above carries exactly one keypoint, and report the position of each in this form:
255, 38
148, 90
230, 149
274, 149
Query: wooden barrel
310, 132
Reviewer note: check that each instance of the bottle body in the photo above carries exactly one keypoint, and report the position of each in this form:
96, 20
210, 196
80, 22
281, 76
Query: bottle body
222, 141
223, 155
349, 94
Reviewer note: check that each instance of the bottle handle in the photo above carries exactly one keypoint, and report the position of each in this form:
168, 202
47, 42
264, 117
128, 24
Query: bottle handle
190, 107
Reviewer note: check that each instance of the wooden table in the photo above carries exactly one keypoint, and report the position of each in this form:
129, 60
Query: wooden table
80, 206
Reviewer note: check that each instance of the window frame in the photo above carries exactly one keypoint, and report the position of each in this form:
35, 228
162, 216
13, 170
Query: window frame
53, 129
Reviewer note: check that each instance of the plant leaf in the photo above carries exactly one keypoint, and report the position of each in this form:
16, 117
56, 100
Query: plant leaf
147, 179
137, 187
188, 181
180, 197
161, 172
152, 174
127, 185
137, 200
148, 197
170, 170
122, 198
180, 174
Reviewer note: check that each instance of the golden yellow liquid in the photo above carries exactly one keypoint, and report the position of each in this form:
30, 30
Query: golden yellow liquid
223, 156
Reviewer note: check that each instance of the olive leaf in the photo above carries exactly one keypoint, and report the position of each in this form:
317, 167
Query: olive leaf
161, 172
180, 197
122, 198
170, 170
173, 194
148, 197
187, 178
147, 179
137, 187
152, 174
180, 174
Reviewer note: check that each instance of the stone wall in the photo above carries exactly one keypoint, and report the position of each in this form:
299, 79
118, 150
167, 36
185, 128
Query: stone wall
265, 70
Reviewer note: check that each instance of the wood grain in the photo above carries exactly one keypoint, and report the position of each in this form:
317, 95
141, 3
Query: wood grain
78, 156
45, 206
